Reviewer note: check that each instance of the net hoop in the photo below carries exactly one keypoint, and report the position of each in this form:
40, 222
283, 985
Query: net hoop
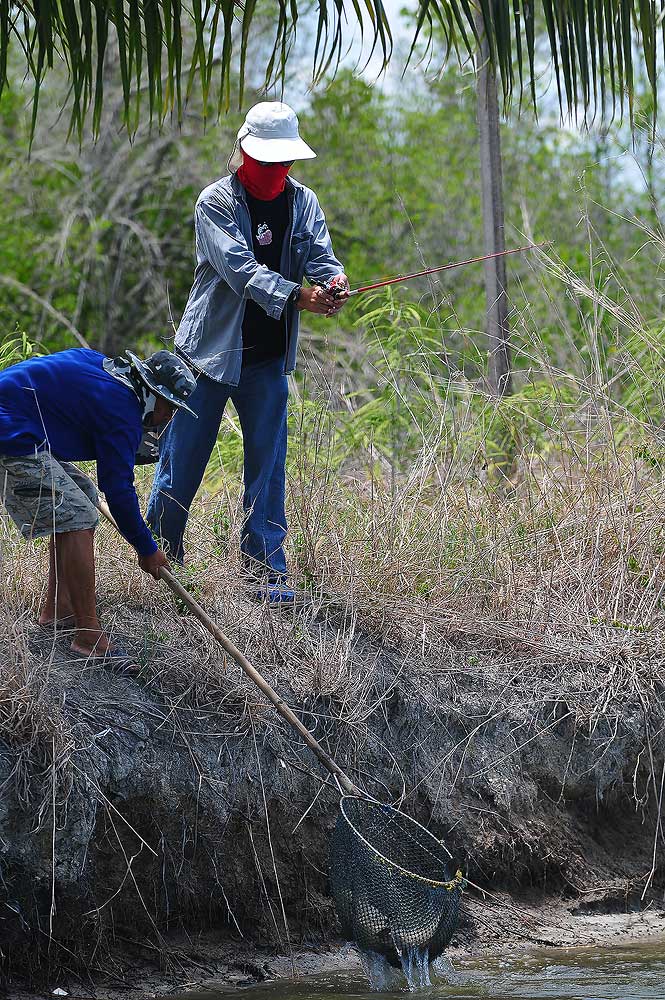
451, 885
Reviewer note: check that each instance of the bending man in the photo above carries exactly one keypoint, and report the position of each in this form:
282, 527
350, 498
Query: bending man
80, 406
259, 233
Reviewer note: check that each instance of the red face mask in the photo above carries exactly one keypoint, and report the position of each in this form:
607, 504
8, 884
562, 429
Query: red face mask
264, 183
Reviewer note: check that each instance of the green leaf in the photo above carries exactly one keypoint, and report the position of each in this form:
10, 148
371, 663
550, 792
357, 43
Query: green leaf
102, 29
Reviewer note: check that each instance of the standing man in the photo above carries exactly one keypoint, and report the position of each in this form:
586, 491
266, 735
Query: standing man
80, 406
259, 233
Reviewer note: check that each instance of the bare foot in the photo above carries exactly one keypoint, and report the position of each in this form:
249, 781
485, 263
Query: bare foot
91, 642
113, 657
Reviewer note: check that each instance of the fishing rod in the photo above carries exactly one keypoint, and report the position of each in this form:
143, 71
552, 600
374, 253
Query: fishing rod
335, 289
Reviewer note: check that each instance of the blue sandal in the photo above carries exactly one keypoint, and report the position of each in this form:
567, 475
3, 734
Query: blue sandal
117, 660
276, 593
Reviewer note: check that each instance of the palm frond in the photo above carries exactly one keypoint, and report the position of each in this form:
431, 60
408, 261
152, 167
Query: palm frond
594, 45
149, 38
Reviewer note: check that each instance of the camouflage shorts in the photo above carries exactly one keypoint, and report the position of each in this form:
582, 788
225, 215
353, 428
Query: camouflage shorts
46, 496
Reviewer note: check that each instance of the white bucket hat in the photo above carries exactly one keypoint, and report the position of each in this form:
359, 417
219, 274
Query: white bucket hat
270, 133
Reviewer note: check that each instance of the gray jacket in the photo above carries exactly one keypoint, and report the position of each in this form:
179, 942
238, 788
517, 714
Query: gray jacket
227, 274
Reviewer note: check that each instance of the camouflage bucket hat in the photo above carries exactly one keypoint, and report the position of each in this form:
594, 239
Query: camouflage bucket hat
167, 376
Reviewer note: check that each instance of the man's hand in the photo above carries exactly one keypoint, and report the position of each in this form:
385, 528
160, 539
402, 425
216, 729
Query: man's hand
318, 300
152, 564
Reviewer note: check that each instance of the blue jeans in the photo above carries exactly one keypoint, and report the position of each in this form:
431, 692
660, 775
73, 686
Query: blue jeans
260, 399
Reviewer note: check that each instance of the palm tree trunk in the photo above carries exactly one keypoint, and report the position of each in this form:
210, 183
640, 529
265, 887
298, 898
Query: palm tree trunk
498, 332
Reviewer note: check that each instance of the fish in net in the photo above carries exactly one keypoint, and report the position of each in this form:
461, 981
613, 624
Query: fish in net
392, 887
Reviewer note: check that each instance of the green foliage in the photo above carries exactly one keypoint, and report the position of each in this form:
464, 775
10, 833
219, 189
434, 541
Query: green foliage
100, 241
644, 384
105, 236
531, 422
404, 359
226, 458
17, 348
641, 408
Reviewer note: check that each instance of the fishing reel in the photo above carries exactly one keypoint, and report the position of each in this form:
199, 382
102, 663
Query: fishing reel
336, 286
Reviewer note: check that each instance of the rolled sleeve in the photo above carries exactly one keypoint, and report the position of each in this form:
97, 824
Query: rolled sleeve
223, 245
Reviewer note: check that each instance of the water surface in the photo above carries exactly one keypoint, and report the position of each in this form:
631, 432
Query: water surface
618, 973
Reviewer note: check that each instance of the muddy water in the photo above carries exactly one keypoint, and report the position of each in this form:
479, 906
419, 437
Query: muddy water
618, 973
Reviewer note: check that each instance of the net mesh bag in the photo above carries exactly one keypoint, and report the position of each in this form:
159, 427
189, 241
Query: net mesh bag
390, 881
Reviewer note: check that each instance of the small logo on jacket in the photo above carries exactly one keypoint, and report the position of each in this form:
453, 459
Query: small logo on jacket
263, 235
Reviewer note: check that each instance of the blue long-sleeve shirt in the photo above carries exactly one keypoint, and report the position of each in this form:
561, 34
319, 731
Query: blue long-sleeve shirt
67, 404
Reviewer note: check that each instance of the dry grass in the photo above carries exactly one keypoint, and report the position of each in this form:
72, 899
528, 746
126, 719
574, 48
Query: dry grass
521, 600
563, 563
554, 586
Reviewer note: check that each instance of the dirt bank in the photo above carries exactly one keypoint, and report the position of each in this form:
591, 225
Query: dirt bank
173, 826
